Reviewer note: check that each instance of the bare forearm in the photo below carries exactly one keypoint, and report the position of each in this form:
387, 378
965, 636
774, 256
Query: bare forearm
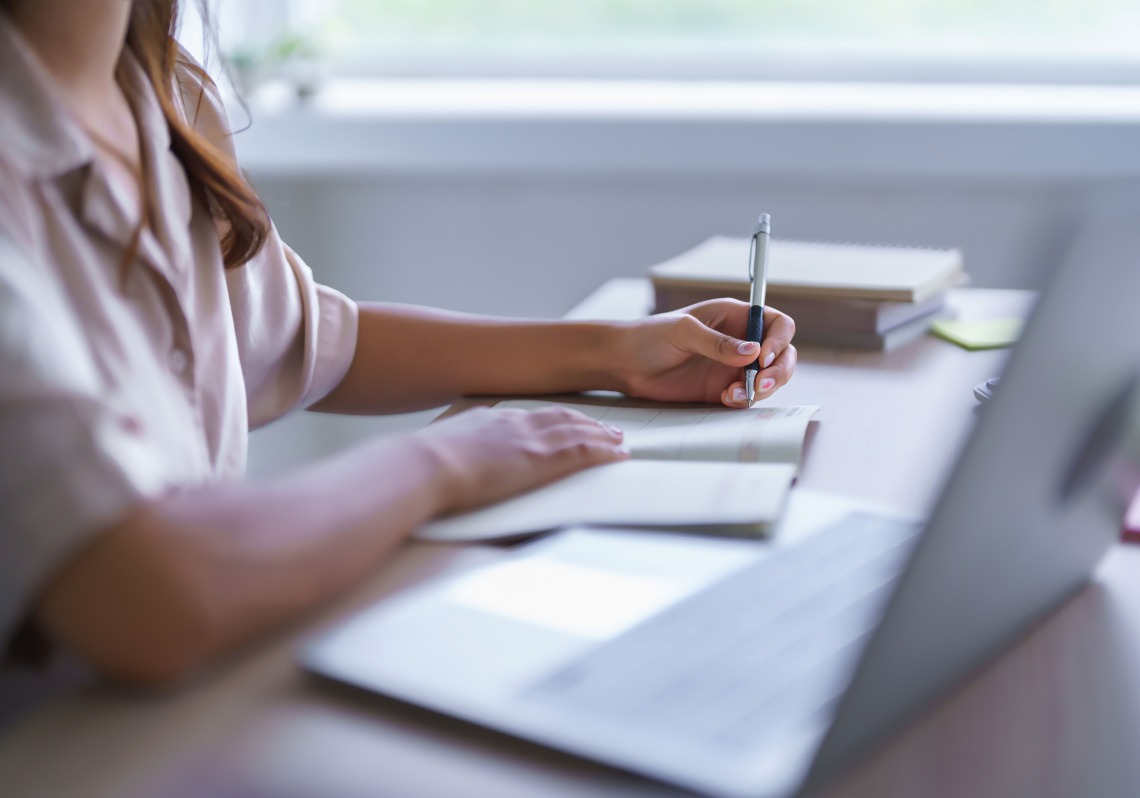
299, 539
202, 570
409, 358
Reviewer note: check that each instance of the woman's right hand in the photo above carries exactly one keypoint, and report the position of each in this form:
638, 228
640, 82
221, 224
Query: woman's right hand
488, 454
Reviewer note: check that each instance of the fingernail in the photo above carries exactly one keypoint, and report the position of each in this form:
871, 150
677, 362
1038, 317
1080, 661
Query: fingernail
738, 395
623, 451
612, 428
747, 347
767, 384
768, 360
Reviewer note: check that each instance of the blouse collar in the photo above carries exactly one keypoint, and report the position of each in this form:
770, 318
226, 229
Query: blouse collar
41, 138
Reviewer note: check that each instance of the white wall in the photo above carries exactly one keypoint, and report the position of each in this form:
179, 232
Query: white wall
535, 246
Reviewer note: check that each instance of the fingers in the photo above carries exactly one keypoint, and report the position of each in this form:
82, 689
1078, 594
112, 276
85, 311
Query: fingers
560, 432
768, 381
693, 335
486, 454
778, 331
575, 436
565, 441
697, 333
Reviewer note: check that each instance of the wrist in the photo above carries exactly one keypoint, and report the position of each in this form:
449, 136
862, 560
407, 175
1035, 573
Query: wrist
608, 355
441, 476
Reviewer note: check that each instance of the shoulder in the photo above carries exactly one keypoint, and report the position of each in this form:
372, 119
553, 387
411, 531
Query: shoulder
200, 101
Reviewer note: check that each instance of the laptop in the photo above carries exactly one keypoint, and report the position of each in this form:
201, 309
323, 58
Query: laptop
736, 668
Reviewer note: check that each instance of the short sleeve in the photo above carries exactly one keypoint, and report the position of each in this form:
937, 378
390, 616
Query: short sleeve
70, 466
296, 338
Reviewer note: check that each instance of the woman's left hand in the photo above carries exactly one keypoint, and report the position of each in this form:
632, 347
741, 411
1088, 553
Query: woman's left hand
697, 354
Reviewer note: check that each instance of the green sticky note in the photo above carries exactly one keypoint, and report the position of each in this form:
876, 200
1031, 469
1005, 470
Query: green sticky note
980, 333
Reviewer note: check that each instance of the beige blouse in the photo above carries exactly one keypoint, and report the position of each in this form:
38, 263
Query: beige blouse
118, 386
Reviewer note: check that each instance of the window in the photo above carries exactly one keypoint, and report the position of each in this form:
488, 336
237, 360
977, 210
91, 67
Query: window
1055, 40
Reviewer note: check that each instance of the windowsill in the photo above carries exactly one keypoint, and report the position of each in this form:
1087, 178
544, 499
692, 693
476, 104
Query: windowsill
697, 128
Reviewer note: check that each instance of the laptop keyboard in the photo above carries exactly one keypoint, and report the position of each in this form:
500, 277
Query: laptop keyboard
768, 647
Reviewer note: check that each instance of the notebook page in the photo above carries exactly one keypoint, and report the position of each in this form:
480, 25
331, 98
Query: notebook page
655, 493
759, 435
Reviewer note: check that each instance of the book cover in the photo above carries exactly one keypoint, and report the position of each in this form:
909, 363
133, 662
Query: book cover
797, 268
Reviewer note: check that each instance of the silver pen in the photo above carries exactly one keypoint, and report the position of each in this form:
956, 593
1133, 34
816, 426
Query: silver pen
758, 275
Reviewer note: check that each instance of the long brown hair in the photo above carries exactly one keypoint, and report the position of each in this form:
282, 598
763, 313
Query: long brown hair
213, 175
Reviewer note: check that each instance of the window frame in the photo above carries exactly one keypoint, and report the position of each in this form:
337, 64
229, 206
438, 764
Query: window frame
1078, 66
787, 66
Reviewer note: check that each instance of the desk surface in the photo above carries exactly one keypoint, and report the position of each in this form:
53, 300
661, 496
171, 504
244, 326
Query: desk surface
1057, 714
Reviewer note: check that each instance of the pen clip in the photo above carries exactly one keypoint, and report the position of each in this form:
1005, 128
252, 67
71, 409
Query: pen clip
752, 258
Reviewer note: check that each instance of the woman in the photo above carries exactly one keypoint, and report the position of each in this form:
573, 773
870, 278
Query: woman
150, 315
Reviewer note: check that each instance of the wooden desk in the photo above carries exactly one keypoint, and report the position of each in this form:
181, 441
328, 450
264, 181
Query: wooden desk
1056, 715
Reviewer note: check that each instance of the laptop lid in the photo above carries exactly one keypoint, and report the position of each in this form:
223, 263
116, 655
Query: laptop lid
1035, 500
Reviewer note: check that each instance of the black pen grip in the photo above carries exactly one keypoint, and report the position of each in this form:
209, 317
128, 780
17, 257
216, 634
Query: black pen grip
755, 330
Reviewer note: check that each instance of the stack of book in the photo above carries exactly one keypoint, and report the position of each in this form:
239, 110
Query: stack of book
866, 297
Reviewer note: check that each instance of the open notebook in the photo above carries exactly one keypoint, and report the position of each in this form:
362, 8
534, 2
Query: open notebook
720, 470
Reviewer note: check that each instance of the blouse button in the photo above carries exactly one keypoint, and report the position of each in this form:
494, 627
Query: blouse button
130, 424
178, 361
